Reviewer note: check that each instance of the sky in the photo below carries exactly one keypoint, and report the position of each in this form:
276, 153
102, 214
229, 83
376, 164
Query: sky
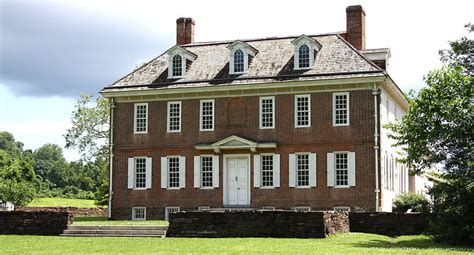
51, 51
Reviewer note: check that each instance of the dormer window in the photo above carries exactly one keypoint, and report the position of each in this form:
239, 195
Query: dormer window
306, 49
238, 61
241, 55
180, 61
177, 66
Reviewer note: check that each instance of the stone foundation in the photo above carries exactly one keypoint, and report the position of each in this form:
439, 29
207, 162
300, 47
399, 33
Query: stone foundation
76, 211
390, 224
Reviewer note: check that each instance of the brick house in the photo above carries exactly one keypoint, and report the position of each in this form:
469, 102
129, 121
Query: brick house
274, 123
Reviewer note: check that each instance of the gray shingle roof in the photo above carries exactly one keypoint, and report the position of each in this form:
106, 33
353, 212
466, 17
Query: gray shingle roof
273, 62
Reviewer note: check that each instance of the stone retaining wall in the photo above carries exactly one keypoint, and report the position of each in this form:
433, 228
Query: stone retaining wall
253, 223
390, 224
34, 223
76, 211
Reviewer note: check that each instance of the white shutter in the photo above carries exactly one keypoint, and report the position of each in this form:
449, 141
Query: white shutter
131, 172
197, 171
164, 172
330, 169
352, 176
312, 170
215, 171
148, 173
276, 170
182, 172
256, 171
291, 170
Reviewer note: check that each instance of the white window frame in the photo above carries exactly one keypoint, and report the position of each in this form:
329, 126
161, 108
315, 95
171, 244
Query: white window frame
302, 208
308, 96
135, 118
204, 208
135, 173
232, 60
183, 66
261, 171
296, 170
201, 103
201, 172
335, 169
261, 112
168, 172
168, 117
334, 109
170, 209
342, 209
134, 213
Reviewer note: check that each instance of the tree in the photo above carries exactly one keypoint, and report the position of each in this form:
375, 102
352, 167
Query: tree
17, 177
438, 133
50, 164
90, 128
90, 135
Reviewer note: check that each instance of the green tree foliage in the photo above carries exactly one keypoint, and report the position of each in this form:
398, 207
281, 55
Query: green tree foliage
414, 201
90, 134
17, 177
50, 164
438, 133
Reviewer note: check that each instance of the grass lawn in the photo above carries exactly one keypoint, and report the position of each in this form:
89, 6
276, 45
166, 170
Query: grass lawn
56, 201
103, 221
350, 243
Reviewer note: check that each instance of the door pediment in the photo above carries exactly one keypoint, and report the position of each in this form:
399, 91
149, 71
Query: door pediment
234, 142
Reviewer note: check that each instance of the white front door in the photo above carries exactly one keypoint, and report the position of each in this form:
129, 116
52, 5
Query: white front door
237, 183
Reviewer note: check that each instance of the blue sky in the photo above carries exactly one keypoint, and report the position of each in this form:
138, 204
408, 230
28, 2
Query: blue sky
51, 51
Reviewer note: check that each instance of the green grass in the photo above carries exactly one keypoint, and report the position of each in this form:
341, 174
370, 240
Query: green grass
55, 201
103, 221
350, 243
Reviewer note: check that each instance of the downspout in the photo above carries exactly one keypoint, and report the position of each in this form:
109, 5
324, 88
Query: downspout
376, 93
111, 153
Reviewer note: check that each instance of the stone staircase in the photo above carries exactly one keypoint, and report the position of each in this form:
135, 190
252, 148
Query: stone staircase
116, 231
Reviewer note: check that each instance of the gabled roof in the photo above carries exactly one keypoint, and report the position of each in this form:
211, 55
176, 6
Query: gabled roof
273, 63
309, 39
234, 142
249, 47
177, 49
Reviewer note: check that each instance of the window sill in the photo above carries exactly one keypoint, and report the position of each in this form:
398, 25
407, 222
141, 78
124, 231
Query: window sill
206, 130
205, 188
340, 125
303, 187
342, 187
267, 187
173, 131
139, 189
267, 127
302, 126
174, 188
140, 133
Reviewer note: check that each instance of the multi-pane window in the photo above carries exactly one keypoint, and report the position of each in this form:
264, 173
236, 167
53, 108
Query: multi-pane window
302, 111
141, 116
173, 172
267, 112
302, 169
340, 109
267, 170
238, 61
174, 116
342, 169
138, 213
303, 56
140, 172
207, 115
177, 66
206, 171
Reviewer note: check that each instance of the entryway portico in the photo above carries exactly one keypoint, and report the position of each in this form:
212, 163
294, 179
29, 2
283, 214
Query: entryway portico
235, 167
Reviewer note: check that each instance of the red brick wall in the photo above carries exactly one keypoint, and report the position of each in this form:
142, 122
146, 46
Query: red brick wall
321, 138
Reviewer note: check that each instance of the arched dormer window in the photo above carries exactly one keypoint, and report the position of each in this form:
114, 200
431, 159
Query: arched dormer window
305, 52
303, 56
180, 61
240, 56
177, 66
238, 61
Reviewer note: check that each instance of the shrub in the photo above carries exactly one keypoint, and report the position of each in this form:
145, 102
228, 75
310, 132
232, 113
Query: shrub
410, 200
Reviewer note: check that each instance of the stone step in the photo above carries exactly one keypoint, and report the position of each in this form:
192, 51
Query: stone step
109, 235
116, 232
164, 228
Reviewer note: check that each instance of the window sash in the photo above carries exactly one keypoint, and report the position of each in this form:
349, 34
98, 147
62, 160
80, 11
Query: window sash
267, 170
177, 66
207, 115
341, 109
173, 172
174, 116
303, 56
302, 111
140, 118
302, 170
267, 112
140, 172
238, 61
341, 161
206, 171
138, 213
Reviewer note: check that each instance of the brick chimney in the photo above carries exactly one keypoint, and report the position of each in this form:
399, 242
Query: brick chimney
355, 26
184, 31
